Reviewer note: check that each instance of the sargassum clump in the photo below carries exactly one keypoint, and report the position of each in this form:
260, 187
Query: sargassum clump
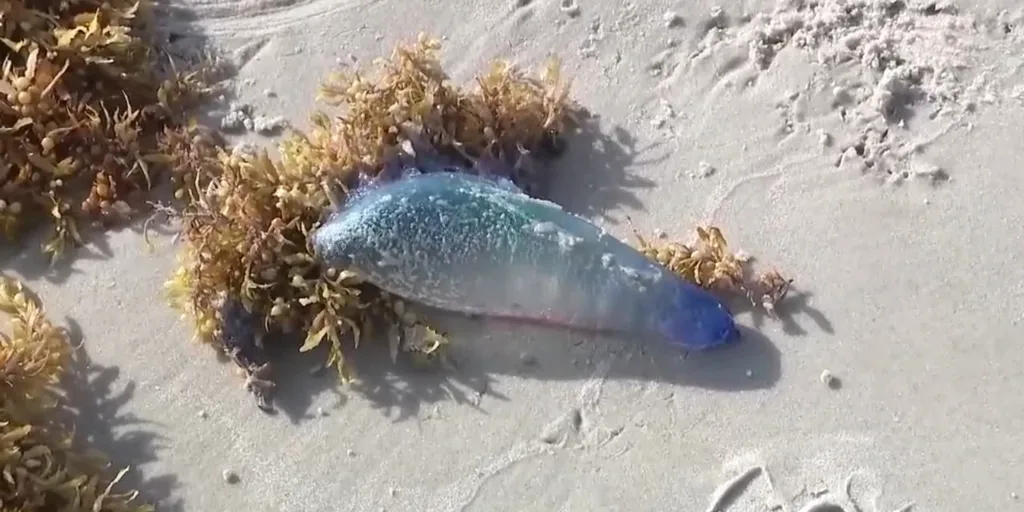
41, 466
84, 99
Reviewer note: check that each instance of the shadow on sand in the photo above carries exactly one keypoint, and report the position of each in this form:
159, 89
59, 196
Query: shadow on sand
483, 351
27, 259
100, 424
592, 177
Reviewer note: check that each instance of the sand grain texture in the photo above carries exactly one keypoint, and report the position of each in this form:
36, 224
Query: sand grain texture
868, 148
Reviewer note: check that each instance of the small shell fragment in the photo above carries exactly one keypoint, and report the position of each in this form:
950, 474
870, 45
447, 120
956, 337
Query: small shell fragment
672, 19
828, 379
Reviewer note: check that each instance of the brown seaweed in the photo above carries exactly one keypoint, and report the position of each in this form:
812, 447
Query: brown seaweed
41, 466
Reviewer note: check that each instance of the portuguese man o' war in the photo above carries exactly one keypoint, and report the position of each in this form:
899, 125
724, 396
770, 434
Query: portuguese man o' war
474, 243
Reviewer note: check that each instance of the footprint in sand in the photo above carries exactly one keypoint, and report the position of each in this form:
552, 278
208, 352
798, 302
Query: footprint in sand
830, 501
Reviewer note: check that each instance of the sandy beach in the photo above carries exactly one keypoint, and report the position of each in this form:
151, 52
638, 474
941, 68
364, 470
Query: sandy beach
868, 149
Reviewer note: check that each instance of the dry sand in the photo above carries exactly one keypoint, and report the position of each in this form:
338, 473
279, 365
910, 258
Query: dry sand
870, 149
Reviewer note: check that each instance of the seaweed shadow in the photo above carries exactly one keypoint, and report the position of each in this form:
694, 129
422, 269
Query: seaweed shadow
299, 378
180, 43
397, 388
593, 174
796, 302
28, 259
95, 410
400, 388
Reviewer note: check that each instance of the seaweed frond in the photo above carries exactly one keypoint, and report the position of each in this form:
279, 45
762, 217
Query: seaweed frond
82, 102
710, 264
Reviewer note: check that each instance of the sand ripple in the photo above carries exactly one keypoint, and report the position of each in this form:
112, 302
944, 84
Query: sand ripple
256, 18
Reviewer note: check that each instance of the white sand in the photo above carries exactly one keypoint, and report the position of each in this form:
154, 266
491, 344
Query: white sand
895, 202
